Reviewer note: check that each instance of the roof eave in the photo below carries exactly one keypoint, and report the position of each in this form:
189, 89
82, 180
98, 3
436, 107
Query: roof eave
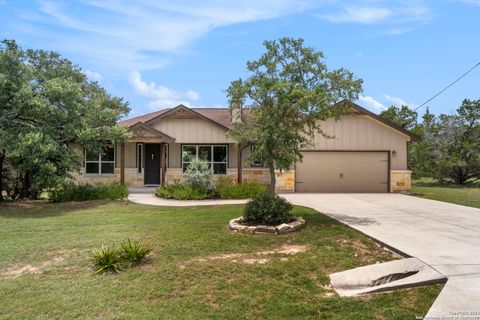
375, 116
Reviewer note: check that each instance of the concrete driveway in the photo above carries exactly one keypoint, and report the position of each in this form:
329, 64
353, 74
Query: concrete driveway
444, 236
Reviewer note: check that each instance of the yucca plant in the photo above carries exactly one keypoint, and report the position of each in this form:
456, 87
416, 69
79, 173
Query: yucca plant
134, 252
106, 259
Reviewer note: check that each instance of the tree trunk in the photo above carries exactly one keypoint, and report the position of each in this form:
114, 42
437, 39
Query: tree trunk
24, 193
2, 161
273, 178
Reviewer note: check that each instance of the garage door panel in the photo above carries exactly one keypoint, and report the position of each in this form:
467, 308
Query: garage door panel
342, 172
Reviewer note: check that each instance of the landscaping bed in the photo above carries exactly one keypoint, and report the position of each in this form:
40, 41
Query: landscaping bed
222, 189
198, 269
200, 184
240, 225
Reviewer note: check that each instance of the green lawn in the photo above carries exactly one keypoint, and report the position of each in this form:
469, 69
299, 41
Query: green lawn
467, 196
45, 273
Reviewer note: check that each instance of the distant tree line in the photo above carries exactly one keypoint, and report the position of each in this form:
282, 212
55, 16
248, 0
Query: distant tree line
449, 145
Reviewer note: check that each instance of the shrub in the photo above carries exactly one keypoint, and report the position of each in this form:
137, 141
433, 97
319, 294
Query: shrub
134, 252
106, 259
227, 189
72, 192
268, 208
198, 175
182, 192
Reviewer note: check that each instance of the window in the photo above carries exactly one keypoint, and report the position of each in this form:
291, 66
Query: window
100, 163
215, 156
255, 162
139, 157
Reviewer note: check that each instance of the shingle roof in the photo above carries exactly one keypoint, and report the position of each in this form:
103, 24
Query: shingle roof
220, 115
142, 118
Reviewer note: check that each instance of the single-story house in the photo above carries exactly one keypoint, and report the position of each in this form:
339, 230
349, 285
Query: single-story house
364, 154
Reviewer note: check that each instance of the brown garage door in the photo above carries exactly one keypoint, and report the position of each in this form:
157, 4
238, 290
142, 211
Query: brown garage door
342, 172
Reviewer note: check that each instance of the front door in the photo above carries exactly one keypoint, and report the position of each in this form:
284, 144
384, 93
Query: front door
152, 164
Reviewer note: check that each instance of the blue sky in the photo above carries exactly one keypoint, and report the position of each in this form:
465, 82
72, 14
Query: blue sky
161, 53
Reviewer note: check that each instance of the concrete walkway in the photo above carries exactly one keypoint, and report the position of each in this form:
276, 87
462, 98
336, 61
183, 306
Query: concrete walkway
149, 198
444, 236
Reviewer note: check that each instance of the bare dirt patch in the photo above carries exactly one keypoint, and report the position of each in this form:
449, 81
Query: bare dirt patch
253, 257
56, 259
24, 204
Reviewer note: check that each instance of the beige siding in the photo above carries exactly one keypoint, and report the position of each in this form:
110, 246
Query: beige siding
174, 155
192, 131
130, 155
232, 156
363, 133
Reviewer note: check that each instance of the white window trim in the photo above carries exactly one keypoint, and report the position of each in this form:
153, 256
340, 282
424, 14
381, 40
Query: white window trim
211, 154
100, 163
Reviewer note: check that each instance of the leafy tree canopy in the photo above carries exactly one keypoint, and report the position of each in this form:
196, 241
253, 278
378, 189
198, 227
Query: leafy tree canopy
289, 89
449, 149
402, 116
47, 105
454, 144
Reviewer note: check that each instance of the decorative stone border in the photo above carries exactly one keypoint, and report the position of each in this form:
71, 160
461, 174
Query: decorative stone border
237, 226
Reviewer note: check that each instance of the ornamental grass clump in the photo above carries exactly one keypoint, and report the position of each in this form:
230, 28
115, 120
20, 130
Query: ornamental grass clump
134, 252
106, 259
268, 208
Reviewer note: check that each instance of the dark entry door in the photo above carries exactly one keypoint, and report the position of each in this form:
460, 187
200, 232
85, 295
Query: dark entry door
152, 164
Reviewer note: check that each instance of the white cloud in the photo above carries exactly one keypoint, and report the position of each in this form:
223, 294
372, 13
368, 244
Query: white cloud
161, 96
383, 103
143, 34
371, 103
394, 101
92, 75
395, 31
396, 16
358, 14
398, 102
472, 2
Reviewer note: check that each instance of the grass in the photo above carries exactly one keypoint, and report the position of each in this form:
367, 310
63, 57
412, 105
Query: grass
52, 243
464, 195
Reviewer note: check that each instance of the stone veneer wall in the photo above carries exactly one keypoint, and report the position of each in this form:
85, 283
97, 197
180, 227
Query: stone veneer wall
400, 180
132, 177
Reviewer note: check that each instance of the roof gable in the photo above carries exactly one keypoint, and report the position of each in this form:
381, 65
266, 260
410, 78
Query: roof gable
141, 130
183, 112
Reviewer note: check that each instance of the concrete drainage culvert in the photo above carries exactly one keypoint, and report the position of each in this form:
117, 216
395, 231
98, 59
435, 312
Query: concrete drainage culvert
404, 273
